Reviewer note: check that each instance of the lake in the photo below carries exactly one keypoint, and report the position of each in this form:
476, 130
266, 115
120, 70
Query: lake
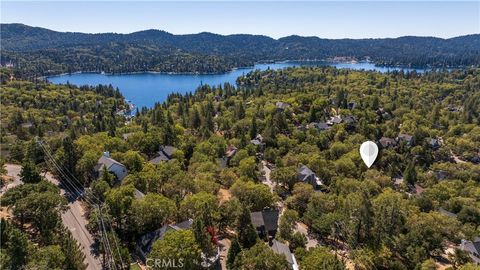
145, 89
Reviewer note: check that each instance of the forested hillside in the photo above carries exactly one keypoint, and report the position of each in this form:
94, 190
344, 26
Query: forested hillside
216, 157
40, 51
33, 235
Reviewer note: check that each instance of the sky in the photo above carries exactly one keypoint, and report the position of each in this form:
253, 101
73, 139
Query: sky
326, 19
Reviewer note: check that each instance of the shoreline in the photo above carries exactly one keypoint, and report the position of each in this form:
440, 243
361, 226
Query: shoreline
265, 62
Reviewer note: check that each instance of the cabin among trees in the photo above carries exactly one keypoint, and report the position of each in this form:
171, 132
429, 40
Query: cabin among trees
112, 166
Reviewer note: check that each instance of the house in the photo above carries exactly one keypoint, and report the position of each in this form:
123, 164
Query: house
441, 174
334, 120
222, 162
435, 143
384, 114
282, 105
319, 126
398, 182
113, 166
145, 243
476, 159
447, 213
282, 249
352, 105
418, 190
306, 175
258, 141
121, 112
472, 248
138, 194
231, 151
452, 108
126, 135
265, 222
351, 121
387, 142
164, 154
27, 125
408, 139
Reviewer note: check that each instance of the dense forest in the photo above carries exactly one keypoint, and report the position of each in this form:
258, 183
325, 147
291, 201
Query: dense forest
240, 150
38, 51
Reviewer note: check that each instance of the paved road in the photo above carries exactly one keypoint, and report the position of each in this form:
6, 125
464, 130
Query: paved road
74, 218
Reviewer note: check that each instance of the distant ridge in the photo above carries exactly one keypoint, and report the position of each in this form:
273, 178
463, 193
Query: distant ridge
143, 50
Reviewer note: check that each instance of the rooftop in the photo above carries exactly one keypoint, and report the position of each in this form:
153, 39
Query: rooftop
282, 249
267, 218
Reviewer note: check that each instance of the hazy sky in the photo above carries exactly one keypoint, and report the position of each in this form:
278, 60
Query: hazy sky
341, 19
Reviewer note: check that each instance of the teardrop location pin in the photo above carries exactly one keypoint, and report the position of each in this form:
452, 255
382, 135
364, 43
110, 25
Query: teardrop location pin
369, 152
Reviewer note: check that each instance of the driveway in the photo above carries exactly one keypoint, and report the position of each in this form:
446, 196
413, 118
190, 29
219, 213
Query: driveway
13, 172
267, 180
302, 228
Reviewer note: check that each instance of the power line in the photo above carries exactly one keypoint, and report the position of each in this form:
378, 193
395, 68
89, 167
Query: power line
77, 190
89, 200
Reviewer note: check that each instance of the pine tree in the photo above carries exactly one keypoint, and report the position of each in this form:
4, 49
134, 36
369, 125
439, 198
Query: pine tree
410, 175
247, 235
29, 173
195, 120
253, 127
233, 252
70, 155
14, 246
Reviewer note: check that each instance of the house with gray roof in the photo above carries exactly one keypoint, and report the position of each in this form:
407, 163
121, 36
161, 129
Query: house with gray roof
321, 126
230, 152
113, 166
472, 248
447, 213
406, 138
352, 105
350, 121
282, 249
126, 135
306, 175
386, 142
258, 141
165, 153
265, 222
434, 143
138, 194
145, 243
441, 174
334, 120
282, 105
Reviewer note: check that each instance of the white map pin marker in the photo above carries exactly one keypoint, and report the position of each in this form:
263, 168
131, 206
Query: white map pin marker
368, 152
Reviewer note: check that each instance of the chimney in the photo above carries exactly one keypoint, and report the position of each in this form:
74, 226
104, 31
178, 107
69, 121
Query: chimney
106, 154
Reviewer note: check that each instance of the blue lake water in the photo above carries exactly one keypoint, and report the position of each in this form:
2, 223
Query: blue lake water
145, 89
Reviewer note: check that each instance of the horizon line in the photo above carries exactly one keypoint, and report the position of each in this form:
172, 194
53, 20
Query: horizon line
232, 34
